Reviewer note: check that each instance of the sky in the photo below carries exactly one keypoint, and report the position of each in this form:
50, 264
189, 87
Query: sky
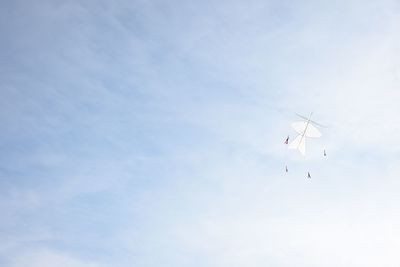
150, 133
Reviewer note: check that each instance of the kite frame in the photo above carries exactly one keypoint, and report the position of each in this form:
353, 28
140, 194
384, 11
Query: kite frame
309, 120
305, 130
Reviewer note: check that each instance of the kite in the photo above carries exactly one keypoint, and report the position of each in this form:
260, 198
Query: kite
287, 140
305, 129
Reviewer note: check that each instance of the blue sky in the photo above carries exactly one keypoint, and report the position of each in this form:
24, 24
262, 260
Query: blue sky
149, 133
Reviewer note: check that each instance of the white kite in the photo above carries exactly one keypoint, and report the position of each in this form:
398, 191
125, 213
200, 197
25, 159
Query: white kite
306, 129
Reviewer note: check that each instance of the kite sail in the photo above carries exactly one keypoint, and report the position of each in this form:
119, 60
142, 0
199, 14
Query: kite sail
305, 129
